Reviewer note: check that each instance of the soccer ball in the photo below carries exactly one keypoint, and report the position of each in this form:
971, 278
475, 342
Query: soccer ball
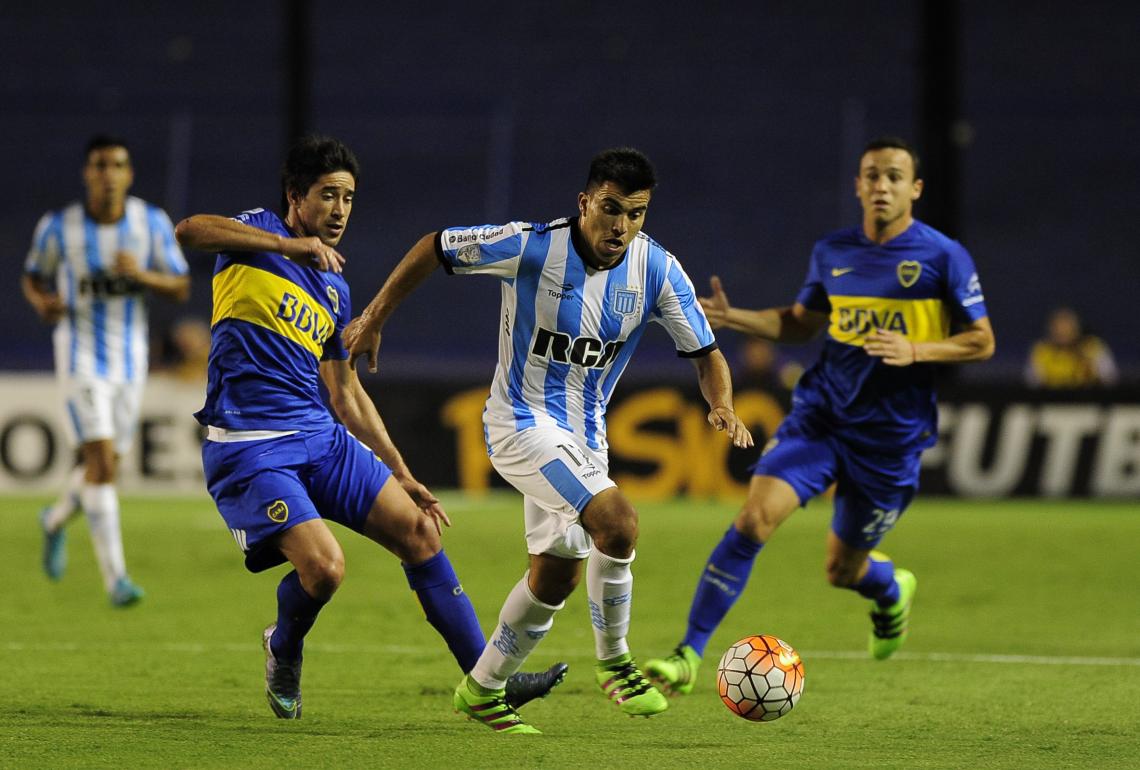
760, 678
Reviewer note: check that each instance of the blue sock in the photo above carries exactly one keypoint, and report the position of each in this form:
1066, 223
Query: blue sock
296, 613
447, 608
879, 583
720, 585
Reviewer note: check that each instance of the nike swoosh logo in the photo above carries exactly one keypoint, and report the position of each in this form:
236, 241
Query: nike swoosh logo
838, 271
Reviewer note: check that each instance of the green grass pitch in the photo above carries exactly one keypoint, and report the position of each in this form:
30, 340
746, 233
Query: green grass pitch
1024, 649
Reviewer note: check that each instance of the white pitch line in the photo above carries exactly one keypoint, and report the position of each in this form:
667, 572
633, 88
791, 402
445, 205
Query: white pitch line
392, 649
961, 657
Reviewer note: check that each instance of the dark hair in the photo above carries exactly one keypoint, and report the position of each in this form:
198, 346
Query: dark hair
99, 141
893, 143
310, 158
626, 167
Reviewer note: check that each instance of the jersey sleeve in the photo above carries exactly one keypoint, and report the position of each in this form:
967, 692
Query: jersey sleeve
490, 249
44, 255
963, 288
165, 254
812, 294
679, 312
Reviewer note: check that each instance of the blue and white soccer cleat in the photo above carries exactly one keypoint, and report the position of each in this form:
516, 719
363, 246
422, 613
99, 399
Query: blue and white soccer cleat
126, 593
282, 680
55, 548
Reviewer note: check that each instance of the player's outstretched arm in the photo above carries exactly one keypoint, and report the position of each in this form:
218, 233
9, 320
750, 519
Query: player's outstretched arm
716, 386
362, 336
213, 233
355, 409
782, 324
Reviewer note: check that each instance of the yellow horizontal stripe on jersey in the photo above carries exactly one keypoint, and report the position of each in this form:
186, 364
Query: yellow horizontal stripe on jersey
248, 294
919, 320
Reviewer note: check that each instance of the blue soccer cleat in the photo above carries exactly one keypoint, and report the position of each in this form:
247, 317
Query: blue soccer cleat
282, 680
126, 593
55, 548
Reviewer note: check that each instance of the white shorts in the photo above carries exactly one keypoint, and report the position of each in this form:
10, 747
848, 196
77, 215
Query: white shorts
96, 410
557, 476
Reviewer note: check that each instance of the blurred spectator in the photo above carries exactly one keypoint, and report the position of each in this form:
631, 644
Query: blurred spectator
188, 349
1069, 358
762, 366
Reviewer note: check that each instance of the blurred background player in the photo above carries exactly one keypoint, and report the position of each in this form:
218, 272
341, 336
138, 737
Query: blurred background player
187, 350
87, 273
577, 296
1067, 357
277, 464
863, 413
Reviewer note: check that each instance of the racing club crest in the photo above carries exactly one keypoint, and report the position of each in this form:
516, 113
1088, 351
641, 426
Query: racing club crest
626, 299
469, 254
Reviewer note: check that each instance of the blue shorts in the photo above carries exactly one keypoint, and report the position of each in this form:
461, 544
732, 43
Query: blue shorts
872, 490
263, 488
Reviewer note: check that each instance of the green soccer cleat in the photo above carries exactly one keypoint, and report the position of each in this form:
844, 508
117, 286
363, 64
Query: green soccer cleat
126, 593
490, 707
55, 548
282, 680
628, 688
890, 623
676, 674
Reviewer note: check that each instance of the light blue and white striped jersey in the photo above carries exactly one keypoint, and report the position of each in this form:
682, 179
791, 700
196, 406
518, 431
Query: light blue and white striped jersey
103, 335
569, 330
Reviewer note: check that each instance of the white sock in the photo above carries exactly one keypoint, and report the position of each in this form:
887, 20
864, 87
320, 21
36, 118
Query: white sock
609, 585
523, 621
67, 504
101, 503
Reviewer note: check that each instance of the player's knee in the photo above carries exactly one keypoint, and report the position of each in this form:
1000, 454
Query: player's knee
758, 520
323, 575
418, 540
618, 538
611, 522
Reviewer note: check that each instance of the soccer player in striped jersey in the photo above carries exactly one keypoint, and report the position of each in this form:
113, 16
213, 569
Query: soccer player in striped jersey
277, 464
894, 296
88, 272
577, 294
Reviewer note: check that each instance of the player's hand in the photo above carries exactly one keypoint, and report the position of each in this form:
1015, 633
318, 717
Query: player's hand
427, 502
361, 340
723, 418
127, 265
50, 308
312, 252
893, 348
716, 307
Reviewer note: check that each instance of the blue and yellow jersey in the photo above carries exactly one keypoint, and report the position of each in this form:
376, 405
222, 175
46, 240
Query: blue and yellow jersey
920, 284
274, 321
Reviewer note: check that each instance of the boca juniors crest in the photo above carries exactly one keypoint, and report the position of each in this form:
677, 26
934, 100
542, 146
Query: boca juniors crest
908, 272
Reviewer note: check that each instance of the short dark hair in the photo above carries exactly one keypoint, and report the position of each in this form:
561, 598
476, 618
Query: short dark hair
626, 167
893, 143
99, 141
310, 158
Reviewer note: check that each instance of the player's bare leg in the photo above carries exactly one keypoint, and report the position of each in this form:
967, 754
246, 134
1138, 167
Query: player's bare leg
611, 522
770, 502
874, 576
100, 502
318, 569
